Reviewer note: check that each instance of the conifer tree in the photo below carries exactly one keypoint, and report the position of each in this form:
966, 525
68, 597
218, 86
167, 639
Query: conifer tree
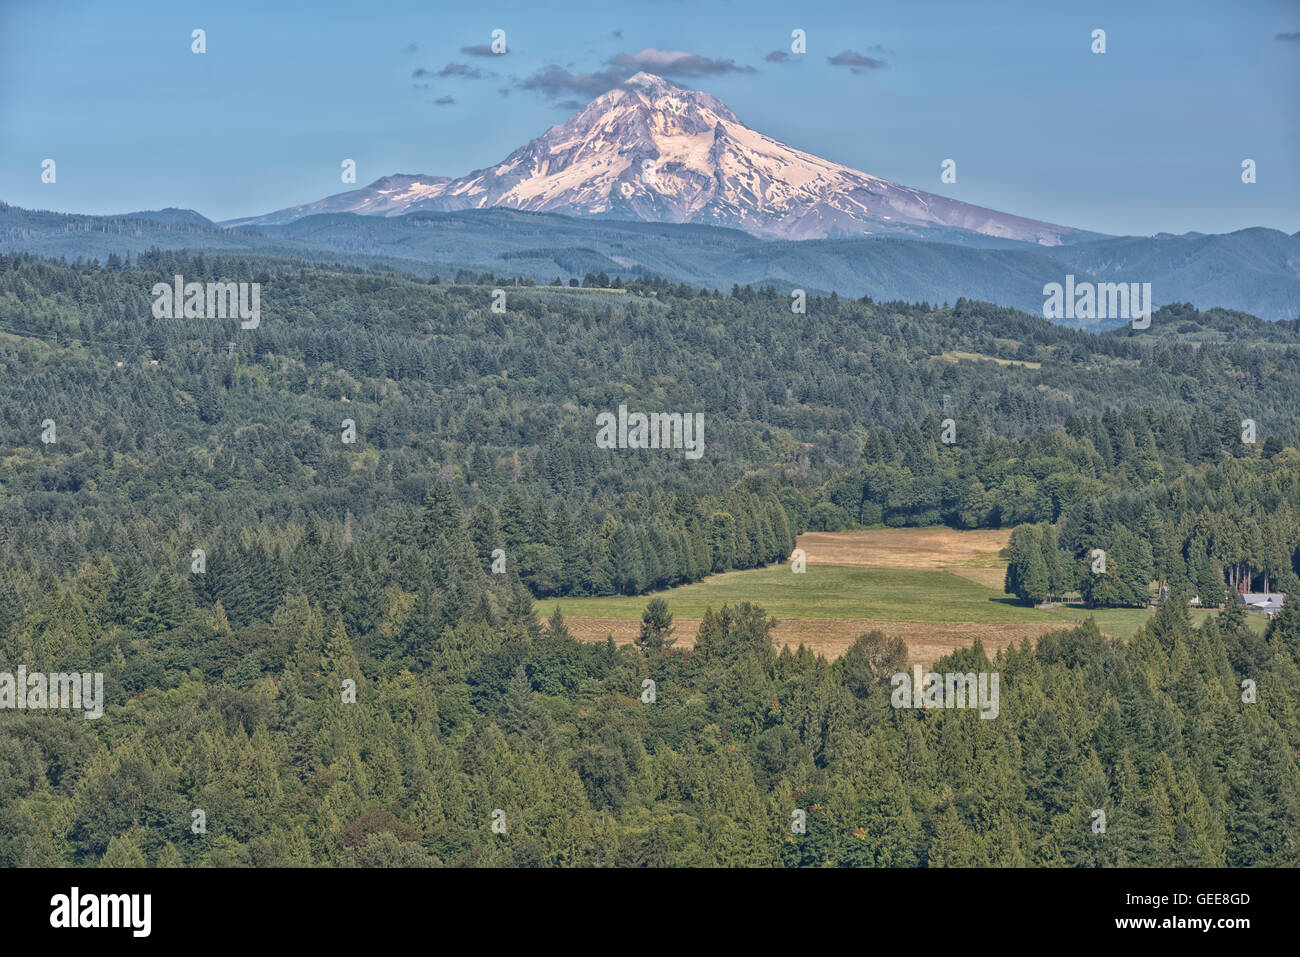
656, 634
441, 516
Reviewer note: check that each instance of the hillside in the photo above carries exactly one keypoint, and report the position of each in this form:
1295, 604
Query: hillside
543, 245
329, 565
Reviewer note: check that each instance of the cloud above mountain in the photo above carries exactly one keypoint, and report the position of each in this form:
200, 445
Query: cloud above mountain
452, 71
561, 85
676, 63
553, 81
463, 71
856, 62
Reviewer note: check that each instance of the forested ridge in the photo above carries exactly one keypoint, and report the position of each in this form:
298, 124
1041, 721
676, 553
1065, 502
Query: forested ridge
371, 561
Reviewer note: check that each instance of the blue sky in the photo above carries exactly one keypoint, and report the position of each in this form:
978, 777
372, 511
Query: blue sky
1148, 137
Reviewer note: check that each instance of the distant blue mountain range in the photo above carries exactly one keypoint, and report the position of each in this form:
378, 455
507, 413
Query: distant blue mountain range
1256, 271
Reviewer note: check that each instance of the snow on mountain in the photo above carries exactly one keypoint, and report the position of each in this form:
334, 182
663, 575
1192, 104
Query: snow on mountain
650, 150
389, 196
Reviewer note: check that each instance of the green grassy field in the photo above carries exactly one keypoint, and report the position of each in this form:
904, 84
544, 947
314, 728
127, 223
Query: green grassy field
865, 593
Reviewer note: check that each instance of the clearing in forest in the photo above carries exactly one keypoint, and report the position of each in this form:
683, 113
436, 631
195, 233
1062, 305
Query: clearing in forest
937, 588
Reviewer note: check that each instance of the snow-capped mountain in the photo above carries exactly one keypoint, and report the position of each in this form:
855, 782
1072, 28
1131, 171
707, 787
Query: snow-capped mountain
653, 151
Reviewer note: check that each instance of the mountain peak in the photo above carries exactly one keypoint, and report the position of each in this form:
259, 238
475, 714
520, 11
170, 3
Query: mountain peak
650, 83
650, 150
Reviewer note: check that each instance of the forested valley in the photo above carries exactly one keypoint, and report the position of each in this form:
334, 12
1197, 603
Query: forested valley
407, 561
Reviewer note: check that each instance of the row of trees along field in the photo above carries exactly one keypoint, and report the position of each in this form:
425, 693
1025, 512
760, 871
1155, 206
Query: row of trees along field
1206, 520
